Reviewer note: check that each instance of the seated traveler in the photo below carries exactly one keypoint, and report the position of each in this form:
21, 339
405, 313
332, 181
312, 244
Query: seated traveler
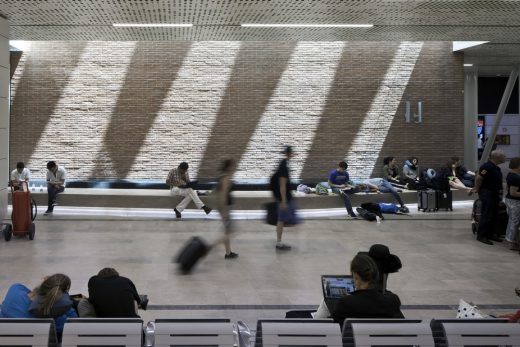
391, 172
466, 177
19, 175
367, 301
49, 300
411, 172
56, 176
113, 296
450, 171
338, 182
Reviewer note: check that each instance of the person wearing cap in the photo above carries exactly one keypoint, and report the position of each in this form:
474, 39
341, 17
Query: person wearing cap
20, 174
56, 176
281, 188
367, 301
338, 182
386, 262
179, 182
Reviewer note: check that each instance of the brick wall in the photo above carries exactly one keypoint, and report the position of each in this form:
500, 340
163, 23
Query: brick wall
133, 110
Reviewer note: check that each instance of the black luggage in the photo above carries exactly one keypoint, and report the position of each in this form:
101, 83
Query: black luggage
369, 216
444, 200
271, 217
192, 251
427, 200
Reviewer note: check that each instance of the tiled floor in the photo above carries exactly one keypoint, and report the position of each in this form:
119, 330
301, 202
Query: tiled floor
441, 261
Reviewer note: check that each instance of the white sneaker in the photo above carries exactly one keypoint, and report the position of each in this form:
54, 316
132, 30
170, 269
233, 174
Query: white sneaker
48, 213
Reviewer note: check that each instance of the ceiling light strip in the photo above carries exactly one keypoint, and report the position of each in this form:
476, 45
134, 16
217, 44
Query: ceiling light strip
288, 25
153, 25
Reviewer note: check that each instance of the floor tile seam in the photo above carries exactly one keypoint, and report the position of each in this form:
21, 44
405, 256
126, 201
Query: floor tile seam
156, 307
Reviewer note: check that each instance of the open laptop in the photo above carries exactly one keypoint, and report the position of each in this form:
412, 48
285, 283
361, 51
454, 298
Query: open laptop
336, 286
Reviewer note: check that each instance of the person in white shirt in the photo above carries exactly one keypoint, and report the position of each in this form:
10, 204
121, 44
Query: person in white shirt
19, 175
56, 176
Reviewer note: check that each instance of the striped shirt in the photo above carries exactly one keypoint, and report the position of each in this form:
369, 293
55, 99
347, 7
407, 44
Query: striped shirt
175, 178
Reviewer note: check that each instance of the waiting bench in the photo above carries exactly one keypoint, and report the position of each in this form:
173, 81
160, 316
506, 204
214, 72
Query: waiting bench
193, 332
27, 332
387, 332
121, 332
297, 333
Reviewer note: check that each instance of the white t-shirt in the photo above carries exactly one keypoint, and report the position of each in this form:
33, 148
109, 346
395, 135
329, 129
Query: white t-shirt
60, 175
24, 176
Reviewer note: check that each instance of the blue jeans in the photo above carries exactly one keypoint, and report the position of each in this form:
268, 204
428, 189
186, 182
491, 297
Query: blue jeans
346, 200
52, 192
386, 187
468, 180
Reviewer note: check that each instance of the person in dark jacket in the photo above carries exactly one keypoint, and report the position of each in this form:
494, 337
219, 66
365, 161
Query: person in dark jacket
113, 296
367, 301
281, 188
488, 185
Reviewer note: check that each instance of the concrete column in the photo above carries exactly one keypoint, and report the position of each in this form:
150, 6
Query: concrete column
4, 115
470, 119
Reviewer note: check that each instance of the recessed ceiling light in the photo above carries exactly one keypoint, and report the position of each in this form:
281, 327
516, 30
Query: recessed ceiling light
153, 25
468, 65
281, 25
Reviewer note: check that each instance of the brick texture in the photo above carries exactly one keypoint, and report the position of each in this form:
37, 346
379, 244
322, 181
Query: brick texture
133, 110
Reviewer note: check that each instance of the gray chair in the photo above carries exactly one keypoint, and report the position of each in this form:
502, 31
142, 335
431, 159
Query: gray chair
439, 335
193, 332
103, 332
27, 332
297, 333
386, 332
481, 334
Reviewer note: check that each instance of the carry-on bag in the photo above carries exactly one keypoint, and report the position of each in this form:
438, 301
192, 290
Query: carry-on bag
271, 216
427, 200
191, 253
444, 200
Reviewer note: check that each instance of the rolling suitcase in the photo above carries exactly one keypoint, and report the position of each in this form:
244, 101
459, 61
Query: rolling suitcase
427, 200
191, 253
444, 200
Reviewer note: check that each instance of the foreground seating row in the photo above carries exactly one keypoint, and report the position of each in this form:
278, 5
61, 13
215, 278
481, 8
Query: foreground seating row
269, 333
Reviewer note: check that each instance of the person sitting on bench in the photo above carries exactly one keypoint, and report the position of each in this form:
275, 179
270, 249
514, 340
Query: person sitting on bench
338, 182
56, 176
19, 175
179, 182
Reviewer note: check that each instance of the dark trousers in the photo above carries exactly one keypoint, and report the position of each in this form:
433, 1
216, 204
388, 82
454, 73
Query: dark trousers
52, 192
346, 200
489, 213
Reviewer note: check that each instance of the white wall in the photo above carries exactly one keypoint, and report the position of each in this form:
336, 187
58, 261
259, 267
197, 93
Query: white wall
4, 115
510, 125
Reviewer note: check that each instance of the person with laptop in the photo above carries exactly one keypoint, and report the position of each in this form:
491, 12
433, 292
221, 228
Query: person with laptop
180, 185
367, 300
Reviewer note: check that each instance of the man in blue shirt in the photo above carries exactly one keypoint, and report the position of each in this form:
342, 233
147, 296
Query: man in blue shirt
338, 182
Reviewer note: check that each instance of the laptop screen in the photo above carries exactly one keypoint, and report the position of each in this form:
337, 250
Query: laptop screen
336, 286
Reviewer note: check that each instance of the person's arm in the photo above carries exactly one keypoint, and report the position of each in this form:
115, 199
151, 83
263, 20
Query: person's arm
332, 179
406, 172
169, 179
478, 183
513, 191
62, 177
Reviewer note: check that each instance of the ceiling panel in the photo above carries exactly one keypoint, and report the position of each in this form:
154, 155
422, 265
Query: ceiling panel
496, 21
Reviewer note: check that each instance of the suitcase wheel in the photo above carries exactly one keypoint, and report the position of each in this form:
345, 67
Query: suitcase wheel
31, 231
8, 232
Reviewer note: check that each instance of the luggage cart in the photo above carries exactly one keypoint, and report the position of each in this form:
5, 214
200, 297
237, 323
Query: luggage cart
23, 214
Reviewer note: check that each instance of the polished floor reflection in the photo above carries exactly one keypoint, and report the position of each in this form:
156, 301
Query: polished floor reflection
441, 262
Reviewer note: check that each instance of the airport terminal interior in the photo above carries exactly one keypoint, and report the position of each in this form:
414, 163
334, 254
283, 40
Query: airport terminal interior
118, 93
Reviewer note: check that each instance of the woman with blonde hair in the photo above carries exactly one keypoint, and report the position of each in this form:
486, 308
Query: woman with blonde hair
49, 300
